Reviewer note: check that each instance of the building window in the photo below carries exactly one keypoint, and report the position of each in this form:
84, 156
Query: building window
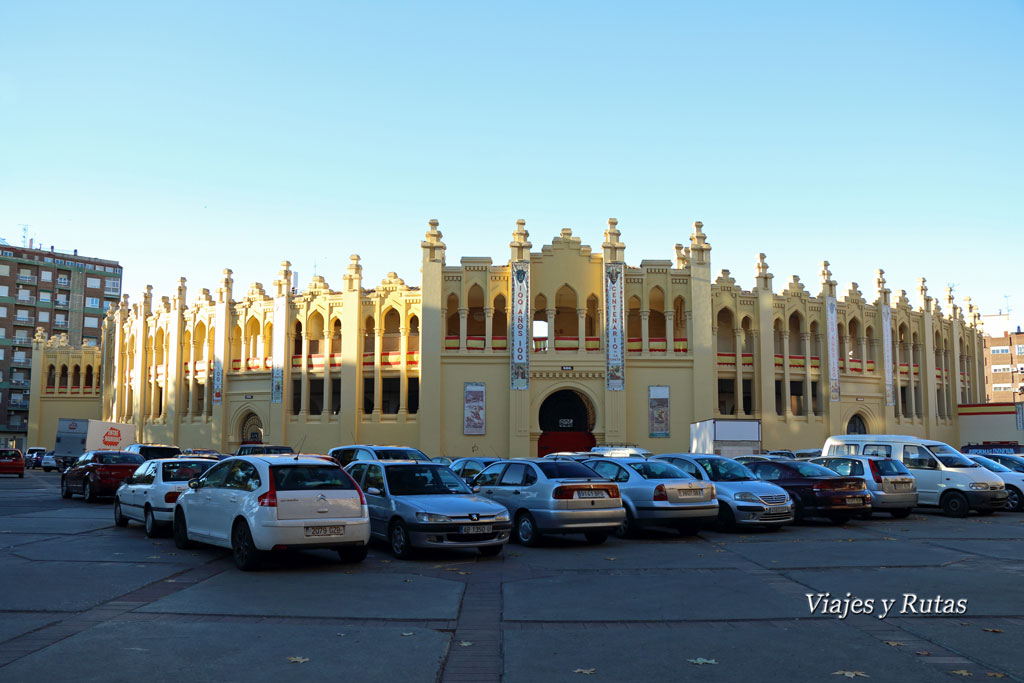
414, 395
1020, 349
998, 350
1001, 368
7, 252
1002, 387
4, 290
48, 259
91, 322
45, 297
59, 262
3, 311
92, 282
92, 302
46, 275
44, 316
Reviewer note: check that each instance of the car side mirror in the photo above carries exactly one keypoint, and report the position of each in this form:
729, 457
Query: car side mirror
374, 491
194, 483
476, 489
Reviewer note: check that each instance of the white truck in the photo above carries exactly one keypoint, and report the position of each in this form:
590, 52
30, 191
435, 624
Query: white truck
75, 437
729, 438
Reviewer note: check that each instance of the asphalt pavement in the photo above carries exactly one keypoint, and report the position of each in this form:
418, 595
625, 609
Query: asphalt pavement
81, 599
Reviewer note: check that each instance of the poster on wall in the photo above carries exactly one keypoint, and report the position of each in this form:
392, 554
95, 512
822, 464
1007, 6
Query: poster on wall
890, 389
521, 325
615, 333
474, 415
658, 411
219, 333
277, 349
832, 324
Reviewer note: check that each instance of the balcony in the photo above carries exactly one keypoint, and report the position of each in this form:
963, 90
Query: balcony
60, 324
25, 320
29, 300
112, 291
17, 405
20, 382
28, 279
21, 362
64, 282
22, 341
60, 304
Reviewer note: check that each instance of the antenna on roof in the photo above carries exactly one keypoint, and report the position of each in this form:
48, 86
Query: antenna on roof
24, 233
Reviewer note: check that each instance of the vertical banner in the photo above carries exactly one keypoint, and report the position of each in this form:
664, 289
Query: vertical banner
1020, 416
219, 336
521, 326
614, 331
277, 349
658, 411
890, 389
832, 323
474, 399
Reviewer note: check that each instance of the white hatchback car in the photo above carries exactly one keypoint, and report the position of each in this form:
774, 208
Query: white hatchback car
149, 494
257, 503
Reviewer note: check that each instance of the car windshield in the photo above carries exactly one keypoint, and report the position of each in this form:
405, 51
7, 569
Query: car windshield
154, 452
420, 480
1015, 464
654, 469
311, 478
401, 454
8, 453
119, 459
725, 470
271, 450
566, 469
990, 465
183, 470
889, 466
948, 457
808, 469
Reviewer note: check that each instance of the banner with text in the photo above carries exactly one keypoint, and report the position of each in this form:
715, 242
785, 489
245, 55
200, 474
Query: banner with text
521, 326
278, 351
614, 333
474, 417
890, 389
832, 324
220, 331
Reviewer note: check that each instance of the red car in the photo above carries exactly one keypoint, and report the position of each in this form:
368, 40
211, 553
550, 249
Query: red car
816, 491
98, 473
11, 462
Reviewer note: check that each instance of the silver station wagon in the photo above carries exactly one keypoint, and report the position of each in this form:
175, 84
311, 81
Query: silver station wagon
892, 487
416, 504
656, 493
553, 497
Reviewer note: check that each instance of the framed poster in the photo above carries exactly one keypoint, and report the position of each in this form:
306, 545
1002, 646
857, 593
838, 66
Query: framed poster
658, 411
831, 323
474, 399
615, 331
521, 326
890, 389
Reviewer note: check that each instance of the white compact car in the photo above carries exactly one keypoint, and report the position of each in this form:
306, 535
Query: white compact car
257, 503
148, 496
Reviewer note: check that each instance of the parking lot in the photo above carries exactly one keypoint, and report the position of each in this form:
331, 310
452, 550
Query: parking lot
81, 598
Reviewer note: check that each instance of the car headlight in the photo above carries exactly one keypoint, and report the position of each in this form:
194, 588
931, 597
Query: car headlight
747, 496
501, 516
431, 517
977, 486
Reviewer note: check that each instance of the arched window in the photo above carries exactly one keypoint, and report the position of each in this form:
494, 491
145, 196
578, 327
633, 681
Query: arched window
856, 425
748, 335
679, 323
297, 342
268, 340
567, 322
158, 347
200, 342
452, 313
392, 341
656, 319
777, 336
252, 338
499, 322
369, 334
414, 334
88, 377
336, 336
726, 335
869, 343
76, 377
51, 377
236, 343
540, 329
815, 340
315, 333
796, 339
476, 320
63, 377
593, 321
634, 331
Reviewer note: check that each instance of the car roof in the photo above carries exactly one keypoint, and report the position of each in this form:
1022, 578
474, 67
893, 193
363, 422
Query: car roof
403, 462
279, 458
185, 459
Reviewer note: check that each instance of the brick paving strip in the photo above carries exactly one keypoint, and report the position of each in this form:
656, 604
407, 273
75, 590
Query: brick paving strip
479, 623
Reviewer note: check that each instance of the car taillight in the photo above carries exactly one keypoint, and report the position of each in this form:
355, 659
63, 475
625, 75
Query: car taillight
822, 485
269, 499
563, 493
362, 498
660, 493
875, 473
171, 496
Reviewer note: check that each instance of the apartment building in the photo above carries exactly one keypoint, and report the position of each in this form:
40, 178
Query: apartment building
1004, 367
58, 292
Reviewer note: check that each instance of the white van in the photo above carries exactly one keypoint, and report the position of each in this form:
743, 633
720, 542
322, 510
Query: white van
620, 450
945, 478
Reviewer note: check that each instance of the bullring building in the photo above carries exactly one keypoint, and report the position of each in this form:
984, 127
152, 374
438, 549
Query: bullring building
551, 349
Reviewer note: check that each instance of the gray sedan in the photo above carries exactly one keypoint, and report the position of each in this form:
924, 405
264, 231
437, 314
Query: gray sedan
656, 493
892, 487
553, 497
424, 504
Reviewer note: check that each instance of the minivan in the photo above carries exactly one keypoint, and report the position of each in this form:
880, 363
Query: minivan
945, 477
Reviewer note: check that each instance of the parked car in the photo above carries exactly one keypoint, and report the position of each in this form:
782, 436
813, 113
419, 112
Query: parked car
468, 468
572, 456
415, 504
620, 450
343, 455
742, 499
259, 503
1010, 460
747, 459
263, 449
817, 491
98, 473
444, 460
806, 453
48, 463
891, 485
782, 453
151, 451
553, 497
149, 494
656, 493
944, 477
202, 453
34, 456
1012, 479
12, 462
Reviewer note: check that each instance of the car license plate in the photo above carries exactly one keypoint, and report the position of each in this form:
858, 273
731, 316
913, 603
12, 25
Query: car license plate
590, 493
325, 531
854, 501
477, 529
778, 510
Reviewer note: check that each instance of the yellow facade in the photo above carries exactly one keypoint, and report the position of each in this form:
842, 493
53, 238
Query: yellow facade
391, 364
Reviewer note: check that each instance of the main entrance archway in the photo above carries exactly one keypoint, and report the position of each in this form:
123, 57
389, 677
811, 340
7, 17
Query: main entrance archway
856, 425
566, 423
252, 429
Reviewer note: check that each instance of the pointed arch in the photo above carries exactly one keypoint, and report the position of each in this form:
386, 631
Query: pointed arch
199, 341
158, 346
236, 344
726, 337
335, 336
499, 321
297, 341
88, 377
76, 377
634, 329
392, 339
567, 321
252, 337
315, 333
369, 335
452, 314
679, 323
476, 320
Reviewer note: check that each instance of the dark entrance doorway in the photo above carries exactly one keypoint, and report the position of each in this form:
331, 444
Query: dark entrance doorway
566, 423
856, 425
252, 429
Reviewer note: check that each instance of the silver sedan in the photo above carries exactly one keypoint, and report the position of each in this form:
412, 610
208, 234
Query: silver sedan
656, 493
415, 504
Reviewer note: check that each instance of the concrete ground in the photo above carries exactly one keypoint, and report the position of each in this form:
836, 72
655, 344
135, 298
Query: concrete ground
82, 599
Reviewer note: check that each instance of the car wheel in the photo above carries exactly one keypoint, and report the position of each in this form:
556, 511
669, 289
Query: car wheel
119, 518
401, 548
726, 518
152, 526
65, 492
353, 555
181, 540
627, 527
902, 513
595, 537
526, 529
490, 550
954, 504
840, 520
87, 492
1014, 501
243, 550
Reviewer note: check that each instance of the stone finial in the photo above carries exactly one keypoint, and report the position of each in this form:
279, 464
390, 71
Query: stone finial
949, 297
881, 292
433, 247
795, 287
165, 304
147, 300
828, 285
40, 335
763, 277
922, 294
180, 294
614, 248
699, 247
224, 291
520, 243
682, 257
283, 283
123, 305
353, 278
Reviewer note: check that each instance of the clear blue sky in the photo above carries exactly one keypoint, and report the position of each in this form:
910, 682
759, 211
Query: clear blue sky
182, 138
